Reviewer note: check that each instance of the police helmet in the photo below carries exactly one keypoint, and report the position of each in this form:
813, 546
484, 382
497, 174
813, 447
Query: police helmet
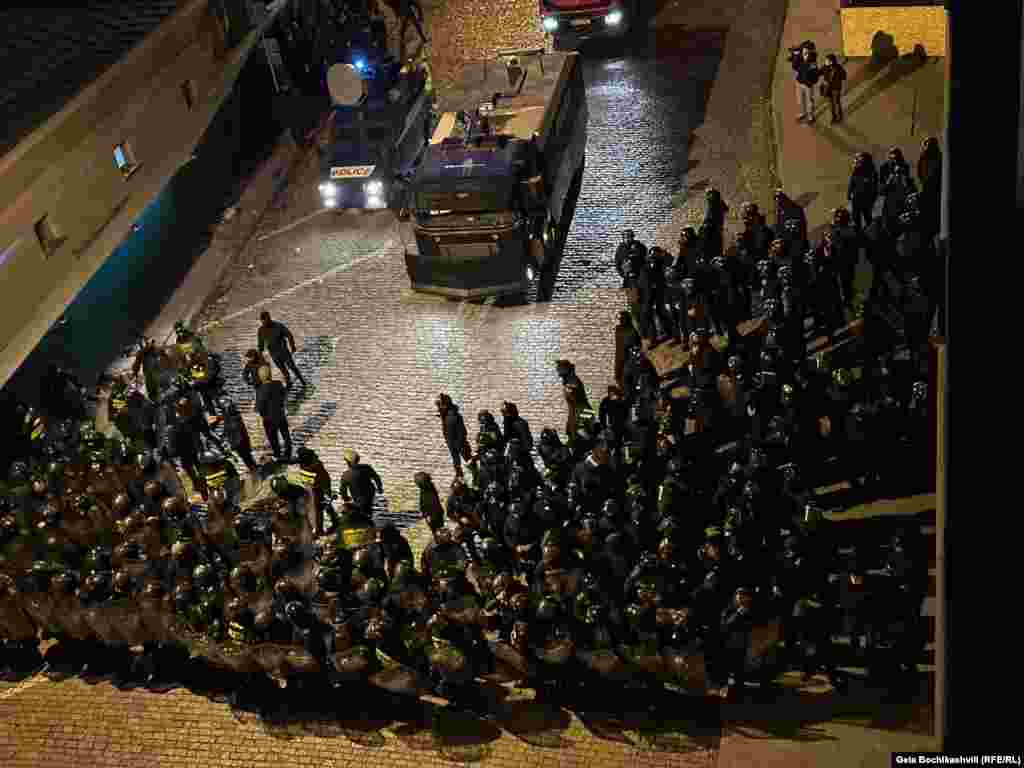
548, 610
842, 377
280, 485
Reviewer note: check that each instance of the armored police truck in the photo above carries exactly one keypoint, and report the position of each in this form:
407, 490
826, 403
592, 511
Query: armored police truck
489, 199
376, 133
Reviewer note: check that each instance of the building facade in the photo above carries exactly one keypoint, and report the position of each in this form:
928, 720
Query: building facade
73, 187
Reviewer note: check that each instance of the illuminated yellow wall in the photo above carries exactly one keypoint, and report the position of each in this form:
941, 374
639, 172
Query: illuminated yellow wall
909, 27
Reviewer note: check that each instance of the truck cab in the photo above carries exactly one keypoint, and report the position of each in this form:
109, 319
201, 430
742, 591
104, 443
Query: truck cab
570, 22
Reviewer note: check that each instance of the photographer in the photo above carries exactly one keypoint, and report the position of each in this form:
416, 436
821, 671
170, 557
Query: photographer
804, 60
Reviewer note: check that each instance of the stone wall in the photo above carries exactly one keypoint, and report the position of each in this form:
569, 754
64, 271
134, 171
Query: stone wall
908, 27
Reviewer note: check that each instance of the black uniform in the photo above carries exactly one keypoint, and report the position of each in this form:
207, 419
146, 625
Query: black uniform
361, 483
270, 404
653, 312
862, 192
237, 435
455, 436
278, 340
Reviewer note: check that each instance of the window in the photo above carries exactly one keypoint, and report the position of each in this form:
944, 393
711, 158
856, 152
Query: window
124, 159
188, 93
49, 238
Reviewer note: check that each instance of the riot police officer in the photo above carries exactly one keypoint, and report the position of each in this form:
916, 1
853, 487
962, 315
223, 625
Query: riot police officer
630, 258
651, 289
360, 483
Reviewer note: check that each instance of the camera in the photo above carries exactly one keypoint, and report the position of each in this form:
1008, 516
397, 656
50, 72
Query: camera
796, 53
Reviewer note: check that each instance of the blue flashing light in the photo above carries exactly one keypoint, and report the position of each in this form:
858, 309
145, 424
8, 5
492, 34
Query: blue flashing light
360, 64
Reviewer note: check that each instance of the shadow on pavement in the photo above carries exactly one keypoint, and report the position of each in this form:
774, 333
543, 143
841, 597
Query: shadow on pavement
831, 135
313, 423
797, 715
900, 68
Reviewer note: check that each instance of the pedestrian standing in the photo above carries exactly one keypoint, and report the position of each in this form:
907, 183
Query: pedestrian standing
453, 427
807, 74
833, 76
278, 340
863, 190
897, 185
787, 209
575, 397
270, 404
626, 337
360, 484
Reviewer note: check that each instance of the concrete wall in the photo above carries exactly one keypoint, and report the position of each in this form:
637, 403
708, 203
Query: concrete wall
908, 27
65, 169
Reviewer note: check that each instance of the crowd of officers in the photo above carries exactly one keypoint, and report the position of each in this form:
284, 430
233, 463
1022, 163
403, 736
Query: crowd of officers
673, 537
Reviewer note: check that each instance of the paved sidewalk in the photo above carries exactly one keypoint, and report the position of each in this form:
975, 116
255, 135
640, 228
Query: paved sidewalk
899, 104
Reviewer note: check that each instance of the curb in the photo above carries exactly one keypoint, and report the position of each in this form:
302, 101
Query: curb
776, 117
299, 158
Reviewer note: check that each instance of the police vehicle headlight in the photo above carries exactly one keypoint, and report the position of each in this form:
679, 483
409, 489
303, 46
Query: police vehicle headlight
614, 18
329, 189
550, 23
374, 187
529, 273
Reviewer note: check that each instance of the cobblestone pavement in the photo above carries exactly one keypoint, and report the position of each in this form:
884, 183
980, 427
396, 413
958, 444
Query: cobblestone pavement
377, 355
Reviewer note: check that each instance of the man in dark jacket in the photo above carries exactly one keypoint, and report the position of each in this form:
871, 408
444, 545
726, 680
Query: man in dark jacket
833, 76
626, 337
453, 427
237, 435
360, 482
651, 285
270, 404
515, 425
863, 190
807, 73
786, 209
630, 257
575, 396
278, 340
